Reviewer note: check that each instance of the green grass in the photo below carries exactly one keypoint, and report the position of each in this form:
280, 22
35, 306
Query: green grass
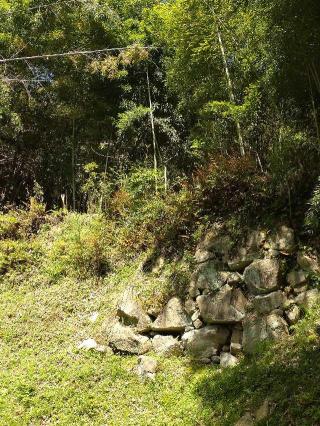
46, 380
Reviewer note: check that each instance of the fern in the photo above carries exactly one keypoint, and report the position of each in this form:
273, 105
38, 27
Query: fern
312, 220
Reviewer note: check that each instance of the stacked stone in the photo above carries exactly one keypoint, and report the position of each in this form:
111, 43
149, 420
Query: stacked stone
238, 297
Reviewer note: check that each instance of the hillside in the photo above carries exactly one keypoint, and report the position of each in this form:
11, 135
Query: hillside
48, 309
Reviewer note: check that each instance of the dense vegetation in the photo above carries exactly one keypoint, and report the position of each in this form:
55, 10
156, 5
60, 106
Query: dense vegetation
177, 114
81, 126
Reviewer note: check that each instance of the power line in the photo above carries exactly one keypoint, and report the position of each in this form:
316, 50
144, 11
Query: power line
71, 53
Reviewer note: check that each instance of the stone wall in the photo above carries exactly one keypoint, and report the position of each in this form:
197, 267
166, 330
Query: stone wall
240, 295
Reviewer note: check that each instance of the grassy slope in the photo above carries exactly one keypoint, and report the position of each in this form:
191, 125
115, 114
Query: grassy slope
46, 380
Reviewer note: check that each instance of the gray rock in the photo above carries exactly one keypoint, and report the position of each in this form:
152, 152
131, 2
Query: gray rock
283, 240
190, 307
250, 251
166, 345
214, 245
293, 314
215, 359
173, 318
231, 278
228, 360
198, 324
308, 299
91, 344
226, 307
236, 341
297, 278
147, 367
263, 276
127, 340
308, 263
257, 329
241, 260
130, 310
205, 277
267, 303
236, 349
204, 343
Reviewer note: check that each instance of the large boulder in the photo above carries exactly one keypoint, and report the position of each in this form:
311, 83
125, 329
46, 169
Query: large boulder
267, 303
173, 319
206, 277
205, 342
127, 340
257, 329
166, 345
263, 276
131, 312
225, 307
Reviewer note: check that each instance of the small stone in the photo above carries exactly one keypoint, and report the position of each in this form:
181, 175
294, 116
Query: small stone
228, 360
226, 348
197, 324
195, 316
93, 317
215, 359
235, 348
190, 307
88, 344
293, 314
147, 367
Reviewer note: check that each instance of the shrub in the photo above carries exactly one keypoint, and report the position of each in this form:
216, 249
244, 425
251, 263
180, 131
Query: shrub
9, 225
78, 247
16, 255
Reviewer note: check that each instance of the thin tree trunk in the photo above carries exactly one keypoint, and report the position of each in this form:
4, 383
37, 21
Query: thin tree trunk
154, 140
231, 92
73, 167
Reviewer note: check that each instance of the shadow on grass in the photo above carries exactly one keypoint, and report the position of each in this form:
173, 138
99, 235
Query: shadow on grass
290, 380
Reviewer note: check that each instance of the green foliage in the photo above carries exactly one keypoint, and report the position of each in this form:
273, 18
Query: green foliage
17, 255
312, 219
131, 117
78, 248
9, 225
